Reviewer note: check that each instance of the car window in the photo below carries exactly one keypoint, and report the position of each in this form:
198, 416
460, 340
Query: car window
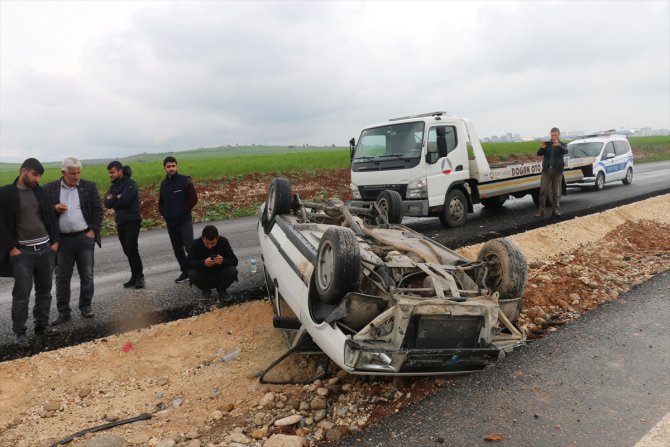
621, 147
609, 149
450, 134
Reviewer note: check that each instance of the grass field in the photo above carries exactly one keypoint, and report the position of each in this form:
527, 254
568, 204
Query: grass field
208, 163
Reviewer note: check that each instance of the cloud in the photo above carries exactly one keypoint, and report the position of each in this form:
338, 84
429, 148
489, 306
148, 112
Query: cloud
178, 75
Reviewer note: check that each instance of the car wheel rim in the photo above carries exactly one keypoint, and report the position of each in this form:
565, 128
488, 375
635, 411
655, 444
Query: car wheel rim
456, 209
325, 273
383, 207
271, 201
601, 181
629, 176
494, 271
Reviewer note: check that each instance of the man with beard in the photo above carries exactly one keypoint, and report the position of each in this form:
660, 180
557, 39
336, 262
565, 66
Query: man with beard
176, 199
124, 198
29, 237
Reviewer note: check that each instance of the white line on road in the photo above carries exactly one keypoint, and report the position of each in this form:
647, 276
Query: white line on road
658, 436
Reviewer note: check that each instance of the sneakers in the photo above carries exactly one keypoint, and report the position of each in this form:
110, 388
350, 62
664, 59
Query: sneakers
86, 312
21, 341
556, 213
139, 282
47, 330
539, 213
62, 318
224, 296
181, 278
130, 282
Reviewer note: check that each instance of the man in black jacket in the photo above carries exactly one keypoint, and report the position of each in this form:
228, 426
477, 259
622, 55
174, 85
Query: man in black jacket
29, 235
212, 264
78, 209
176, 199
123, 197
552, 172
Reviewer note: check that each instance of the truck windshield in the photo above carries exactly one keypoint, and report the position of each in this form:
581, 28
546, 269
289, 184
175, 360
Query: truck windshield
392, 141
576, 150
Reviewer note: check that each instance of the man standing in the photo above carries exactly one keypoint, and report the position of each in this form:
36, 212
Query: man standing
77, 205
29, 235
212, 264
123, 197
552, 172
176, 199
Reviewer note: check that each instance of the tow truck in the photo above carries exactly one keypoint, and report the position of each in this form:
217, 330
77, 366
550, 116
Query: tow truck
437, 165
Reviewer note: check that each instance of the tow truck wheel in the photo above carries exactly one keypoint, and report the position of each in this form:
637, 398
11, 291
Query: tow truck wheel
628, 179
390, 203
279, 198
338, 265
600, 182
455, 209
506, 270
494, 202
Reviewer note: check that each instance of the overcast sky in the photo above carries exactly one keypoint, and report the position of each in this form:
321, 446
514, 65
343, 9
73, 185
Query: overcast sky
112, 78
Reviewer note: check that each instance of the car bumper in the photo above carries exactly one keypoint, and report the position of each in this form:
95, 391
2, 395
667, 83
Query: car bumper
417, 208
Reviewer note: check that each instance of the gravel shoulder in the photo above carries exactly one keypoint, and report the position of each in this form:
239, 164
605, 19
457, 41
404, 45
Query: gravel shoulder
175, 372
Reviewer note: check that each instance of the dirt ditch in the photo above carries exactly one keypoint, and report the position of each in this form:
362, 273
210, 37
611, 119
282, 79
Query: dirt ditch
175, 371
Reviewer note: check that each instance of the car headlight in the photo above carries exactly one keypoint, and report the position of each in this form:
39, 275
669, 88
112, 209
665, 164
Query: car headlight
355, 193
417, 189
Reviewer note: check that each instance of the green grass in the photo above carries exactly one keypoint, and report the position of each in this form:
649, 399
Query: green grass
151, 172
208, 163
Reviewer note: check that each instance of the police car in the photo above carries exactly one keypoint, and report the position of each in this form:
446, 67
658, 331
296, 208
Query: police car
613, 158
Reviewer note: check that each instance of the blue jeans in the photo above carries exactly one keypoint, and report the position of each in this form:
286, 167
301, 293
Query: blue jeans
181, 237
74, 249
29, 265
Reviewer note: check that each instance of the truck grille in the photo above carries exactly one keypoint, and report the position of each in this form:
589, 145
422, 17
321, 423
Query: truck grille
370, 192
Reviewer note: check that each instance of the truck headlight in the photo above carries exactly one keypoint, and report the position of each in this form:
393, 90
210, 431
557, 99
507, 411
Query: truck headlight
417, 189
355, 193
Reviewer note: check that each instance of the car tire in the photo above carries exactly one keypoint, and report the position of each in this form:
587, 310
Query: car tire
507, 270
494, 202
600, 182
628, 179
279, 198
338, 265
455, 209
390, 203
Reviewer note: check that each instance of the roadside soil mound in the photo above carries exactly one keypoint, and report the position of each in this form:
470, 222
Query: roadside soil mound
175, 370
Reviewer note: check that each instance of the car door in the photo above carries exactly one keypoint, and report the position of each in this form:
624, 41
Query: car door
620, 161
444, 169
608, 161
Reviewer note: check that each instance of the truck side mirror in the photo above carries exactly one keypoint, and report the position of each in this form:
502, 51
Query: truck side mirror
352, 146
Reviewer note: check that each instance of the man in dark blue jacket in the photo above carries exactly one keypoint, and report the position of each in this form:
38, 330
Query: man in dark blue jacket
28, 243
176, 199
123, 197
553, 161
212, 264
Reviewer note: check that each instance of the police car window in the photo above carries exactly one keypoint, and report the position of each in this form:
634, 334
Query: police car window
609, 149
620, 147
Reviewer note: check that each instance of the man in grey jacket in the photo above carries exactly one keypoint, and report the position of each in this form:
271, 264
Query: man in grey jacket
78, 208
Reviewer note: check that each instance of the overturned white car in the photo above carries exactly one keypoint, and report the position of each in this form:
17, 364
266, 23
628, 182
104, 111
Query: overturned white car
380, 298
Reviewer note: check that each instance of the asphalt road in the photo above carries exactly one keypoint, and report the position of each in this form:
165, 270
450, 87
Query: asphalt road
600, 381
118, 309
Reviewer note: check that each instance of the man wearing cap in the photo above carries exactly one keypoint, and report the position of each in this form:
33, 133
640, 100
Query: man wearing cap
78, 209
29, 236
